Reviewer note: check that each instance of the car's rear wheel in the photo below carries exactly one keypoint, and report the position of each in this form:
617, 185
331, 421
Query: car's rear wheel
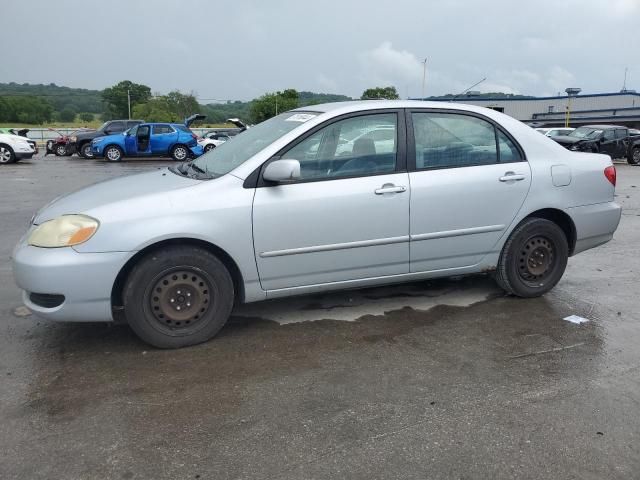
85, 150
534, 258
208, 147
634, 157
180, 153
61, 150
178, 296
113, 153
6, 154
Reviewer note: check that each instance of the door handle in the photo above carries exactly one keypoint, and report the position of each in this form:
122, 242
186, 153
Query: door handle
389, 188
512, 177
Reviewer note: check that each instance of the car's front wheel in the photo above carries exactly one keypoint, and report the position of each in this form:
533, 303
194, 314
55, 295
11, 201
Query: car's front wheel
113, 153
178, 296
85, 150
61, 150
534, 258
6, 154
180, 153
634, 157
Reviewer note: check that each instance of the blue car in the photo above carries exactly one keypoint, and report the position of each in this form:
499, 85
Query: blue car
151, 139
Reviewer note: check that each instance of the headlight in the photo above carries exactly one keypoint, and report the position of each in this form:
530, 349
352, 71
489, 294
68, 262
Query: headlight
64, 231
574, 147
73, 139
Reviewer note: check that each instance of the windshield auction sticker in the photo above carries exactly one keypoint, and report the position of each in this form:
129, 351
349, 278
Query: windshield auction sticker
300, 117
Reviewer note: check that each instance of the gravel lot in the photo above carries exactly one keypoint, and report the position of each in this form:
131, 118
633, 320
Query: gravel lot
443, 379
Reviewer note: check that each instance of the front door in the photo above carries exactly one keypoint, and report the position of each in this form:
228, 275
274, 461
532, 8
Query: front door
468, 182
347, 217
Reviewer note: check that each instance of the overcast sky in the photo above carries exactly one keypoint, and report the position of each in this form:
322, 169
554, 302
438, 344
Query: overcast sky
239, 49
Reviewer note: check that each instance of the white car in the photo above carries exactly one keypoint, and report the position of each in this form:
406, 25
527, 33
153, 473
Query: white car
555, 132
14, 148
278, 212
209, 143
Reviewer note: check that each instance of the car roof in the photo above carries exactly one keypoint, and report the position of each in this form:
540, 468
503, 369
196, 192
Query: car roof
604, 127
360, 105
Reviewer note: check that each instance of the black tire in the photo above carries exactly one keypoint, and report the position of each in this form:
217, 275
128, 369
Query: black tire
180, 153
634, 157
113, 153
163, 282
208, 147
60, 150
7, 154
85, 150
533, 259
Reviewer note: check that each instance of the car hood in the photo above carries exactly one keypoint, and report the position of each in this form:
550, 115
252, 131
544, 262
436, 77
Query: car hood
120, 190
88, 134
567, 140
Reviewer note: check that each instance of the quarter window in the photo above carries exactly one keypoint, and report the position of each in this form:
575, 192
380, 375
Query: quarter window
445, 140
357, 146
620, 133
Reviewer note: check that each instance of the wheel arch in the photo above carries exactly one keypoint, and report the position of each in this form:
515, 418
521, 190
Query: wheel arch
225, 258
560, 218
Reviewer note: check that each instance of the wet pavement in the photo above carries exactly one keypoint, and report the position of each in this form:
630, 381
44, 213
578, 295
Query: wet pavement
440, 379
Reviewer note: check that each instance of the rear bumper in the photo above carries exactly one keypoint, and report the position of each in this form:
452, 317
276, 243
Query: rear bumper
595, 224
85, 280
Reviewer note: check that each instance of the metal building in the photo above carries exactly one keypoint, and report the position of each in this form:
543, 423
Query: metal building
621, 108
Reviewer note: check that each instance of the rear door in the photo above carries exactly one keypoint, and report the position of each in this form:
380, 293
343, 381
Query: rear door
468, 181
163, 137
347, 217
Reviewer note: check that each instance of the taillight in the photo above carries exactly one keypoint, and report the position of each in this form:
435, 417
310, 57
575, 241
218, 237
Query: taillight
610, 173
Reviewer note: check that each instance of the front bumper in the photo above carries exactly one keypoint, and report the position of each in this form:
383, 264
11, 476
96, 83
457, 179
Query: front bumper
24, 155
97, 150
84, 279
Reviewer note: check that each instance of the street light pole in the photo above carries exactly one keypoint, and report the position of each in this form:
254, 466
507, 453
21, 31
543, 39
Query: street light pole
424, 75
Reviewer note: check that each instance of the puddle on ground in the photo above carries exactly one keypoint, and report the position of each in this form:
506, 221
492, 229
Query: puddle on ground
351, 305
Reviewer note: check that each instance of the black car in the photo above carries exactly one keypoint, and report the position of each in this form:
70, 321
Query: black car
612, 140
81, 142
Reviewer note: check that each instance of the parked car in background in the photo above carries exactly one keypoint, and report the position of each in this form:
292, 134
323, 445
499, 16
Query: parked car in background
151, 139
61, 145
80, 142
14, 148
612, 140
211, 141
464, 190
555, 132
21, 132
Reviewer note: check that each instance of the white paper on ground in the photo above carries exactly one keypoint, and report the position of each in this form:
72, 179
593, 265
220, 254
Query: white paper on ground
575, 319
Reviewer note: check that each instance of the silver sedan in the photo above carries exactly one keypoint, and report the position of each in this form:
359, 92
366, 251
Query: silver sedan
326, 197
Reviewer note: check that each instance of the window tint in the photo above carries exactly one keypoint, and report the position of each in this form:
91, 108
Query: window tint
133, 123
620, 133
454, 140
143, 131
355, 146
116, 127
508, 151
609, 134
162, 129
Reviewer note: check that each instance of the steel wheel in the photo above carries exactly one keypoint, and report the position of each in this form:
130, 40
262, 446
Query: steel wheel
6, 154
86, 151
211, 146
536, 259
179, 299
61, 150
635, 157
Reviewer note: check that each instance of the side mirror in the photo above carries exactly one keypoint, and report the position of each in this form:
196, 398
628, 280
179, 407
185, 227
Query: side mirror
281, 171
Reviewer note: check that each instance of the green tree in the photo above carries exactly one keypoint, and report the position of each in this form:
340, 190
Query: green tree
25, 109
182, 104
155, 110
86, 117
115, 98
377, 93
269, 104
67, 114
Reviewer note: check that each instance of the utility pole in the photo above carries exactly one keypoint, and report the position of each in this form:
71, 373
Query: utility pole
129, 102
276, 103
424, 75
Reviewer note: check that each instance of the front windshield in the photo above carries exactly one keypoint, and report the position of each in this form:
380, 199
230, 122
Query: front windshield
229, 155
585, 132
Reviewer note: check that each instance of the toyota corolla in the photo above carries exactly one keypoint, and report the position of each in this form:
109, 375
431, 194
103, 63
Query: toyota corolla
284, 209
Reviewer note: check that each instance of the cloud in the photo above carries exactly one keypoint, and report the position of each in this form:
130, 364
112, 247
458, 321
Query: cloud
385, 65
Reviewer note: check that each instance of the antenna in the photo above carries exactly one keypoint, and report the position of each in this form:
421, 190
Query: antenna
624, 84
467, 89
